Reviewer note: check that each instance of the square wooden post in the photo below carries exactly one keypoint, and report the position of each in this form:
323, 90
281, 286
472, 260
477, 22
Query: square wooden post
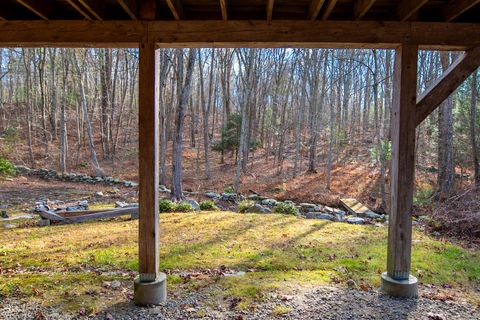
150, 285
397, 281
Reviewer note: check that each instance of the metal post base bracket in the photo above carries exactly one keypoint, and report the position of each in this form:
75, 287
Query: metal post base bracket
150, 293
400, 288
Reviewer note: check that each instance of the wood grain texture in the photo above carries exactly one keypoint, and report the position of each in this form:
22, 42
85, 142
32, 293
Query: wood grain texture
446, 84
148, 139
403, 162
231, 33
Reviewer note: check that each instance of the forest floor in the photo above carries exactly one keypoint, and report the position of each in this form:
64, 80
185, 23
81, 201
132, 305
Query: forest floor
220, 265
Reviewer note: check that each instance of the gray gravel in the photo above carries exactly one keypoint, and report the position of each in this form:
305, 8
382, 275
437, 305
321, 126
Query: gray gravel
321, 303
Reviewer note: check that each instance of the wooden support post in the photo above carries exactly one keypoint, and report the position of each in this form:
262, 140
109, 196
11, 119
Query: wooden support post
397, 280
150, 286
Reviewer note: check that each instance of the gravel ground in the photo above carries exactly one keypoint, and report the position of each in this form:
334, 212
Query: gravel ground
321, 303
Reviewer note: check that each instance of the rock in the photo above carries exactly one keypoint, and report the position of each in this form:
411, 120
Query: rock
256, 197
289, 202
194, 204
115, 284
213, 195
229, 196
9, 226
121, 204
355, 220
269, 202
23, 170
319, 215
130, 184
307, 205
99, 194
162, 188
351, 283
4, 214
373, 215
257, 208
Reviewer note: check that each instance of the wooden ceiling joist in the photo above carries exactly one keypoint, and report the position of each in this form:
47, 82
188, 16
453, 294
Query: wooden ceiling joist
40, 8
314, 9
270, 4
408, 8
455, 8
362, 7
444, 86
95, 8
224, 9
328, 9
79, 8
130, 7
176, 8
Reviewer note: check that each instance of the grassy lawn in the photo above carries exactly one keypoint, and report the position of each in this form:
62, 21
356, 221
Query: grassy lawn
73, 265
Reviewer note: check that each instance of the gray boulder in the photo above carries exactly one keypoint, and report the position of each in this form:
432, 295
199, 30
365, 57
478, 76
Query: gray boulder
213, 195
229, 196
22, 170
256, 197
356, 220
319, 215
194, 204
257, 208
269, 202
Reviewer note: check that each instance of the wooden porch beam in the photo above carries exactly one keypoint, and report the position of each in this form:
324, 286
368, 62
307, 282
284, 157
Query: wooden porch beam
148, 9
40, 8
362, 7
408, 8
79, 8
328, 9
176, 8
95, 7
224, 9
403, 165
314, 9
233, 33
455, 8
130, 7
270, 4
444, 86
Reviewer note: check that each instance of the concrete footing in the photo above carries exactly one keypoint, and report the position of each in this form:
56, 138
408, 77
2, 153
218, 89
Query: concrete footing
400, 288
150, 293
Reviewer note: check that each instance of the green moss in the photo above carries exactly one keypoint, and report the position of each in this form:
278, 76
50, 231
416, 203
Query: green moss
283, 250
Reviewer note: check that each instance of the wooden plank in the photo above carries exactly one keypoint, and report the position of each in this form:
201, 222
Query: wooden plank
41, 8
96, 8
270, 4
444, 86
314, 9
224, 9
407, 8
362, 7
130, 7
455, 8
403, 162
148, 132
355, 207
176, 8
101, 215
79, 8
255, 34
328, 9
